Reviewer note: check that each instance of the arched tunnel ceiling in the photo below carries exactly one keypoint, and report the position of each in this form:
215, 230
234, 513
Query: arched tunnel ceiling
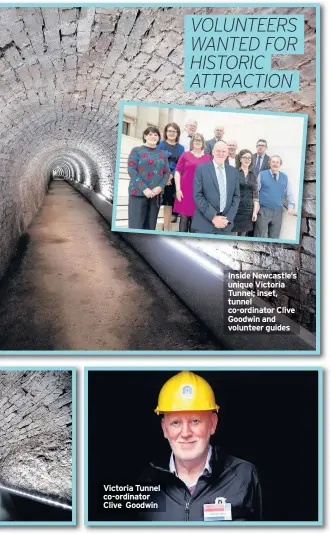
63, 72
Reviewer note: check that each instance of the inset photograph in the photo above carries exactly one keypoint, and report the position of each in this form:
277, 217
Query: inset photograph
37, 447
192, 171
202, 446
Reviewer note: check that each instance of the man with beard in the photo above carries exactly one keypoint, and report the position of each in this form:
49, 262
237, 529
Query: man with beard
199, 482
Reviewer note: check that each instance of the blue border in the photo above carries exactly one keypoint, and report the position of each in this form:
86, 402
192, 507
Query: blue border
73, 521
319, 522
303, 116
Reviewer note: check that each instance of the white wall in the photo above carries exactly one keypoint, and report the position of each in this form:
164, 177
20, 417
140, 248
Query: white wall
122, 215
283, 134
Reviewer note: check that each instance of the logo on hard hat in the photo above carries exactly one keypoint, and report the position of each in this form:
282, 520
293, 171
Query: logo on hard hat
187, 392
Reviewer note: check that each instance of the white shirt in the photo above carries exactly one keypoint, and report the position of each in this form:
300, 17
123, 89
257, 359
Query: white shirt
185, 140
232, 161
172, 465
222, 200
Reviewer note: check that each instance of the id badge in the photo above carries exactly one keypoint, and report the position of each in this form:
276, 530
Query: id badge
220, 511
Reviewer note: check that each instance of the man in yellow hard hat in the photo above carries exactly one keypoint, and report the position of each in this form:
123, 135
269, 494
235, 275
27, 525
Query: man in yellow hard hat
199, 483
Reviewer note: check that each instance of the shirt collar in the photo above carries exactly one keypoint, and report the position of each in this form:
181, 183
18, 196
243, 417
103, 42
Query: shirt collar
172, 465
276, 173
216, 166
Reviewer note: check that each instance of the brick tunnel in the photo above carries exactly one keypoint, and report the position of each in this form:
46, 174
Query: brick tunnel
68, 282
35, 442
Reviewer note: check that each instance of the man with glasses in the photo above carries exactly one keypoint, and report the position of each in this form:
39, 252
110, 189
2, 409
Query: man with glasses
216, 194
261, 160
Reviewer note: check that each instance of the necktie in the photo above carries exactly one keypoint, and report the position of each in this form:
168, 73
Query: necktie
258, 164
275, 177
221, 179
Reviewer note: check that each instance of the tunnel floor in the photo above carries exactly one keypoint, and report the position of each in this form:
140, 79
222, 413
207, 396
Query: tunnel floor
75, 285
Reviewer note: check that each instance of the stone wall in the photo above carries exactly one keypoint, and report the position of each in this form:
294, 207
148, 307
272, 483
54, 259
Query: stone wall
63, 73
36, 431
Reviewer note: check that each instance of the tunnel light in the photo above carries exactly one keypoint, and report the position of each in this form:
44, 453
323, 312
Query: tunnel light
36, 497
193, 254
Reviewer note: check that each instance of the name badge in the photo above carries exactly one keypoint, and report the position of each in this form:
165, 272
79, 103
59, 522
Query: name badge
220, 511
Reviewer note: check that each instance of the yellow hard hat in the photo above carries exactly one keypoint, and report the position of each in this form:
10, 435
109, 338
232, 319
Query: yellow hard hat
186, 391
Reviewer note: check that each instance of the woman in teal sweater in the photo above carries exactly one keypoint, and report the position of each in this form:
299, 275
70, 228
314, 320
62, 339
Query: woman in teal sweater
149, 172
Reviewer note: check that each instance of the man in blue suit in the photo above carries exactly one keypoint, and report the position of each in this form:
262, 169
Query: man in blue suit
216, 194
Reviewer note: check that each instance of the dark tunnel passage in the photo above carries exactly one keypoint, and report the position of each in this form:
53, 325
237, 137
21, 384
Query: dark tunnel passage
18, 505
77, 286
74, 164
66, 281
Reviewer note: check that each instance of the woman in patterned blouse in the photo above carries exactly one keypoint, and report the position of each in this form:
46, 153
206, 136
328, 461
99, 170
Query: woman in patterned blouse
149, 172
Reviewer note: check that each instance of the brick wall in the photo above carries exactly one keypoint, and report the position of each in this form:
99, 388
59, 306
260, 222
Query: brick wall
63, 73
35, 431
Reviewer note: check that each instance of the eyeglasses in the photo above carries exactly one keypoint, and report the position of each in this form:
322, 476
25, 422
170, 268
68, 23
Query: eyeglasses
261, 146
171, 131
246, 157
198, 140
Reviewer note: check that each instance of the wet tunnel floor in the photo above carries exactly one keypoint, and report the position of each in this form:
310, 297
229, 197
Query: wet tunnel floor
78, 286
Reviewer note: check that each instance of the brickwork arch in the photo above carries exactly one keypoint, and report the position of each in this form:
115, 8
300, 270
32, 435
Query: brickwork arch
63, 74
36, 432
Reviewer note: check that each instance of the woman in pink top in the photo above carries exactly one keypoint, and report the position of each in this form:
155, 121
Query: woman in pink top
184, 178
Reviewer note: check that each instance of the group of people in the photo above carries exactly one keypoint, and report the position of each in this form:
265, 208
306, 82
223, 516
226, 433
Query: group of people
211, 187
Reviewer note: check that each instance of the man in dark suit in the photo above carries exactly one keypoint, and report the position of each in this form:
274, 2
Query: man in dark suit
219, 132
261, 160
216, 194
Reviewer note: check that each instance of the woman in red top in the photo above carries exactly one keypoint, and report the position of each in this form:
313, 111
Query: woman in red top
184, 178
